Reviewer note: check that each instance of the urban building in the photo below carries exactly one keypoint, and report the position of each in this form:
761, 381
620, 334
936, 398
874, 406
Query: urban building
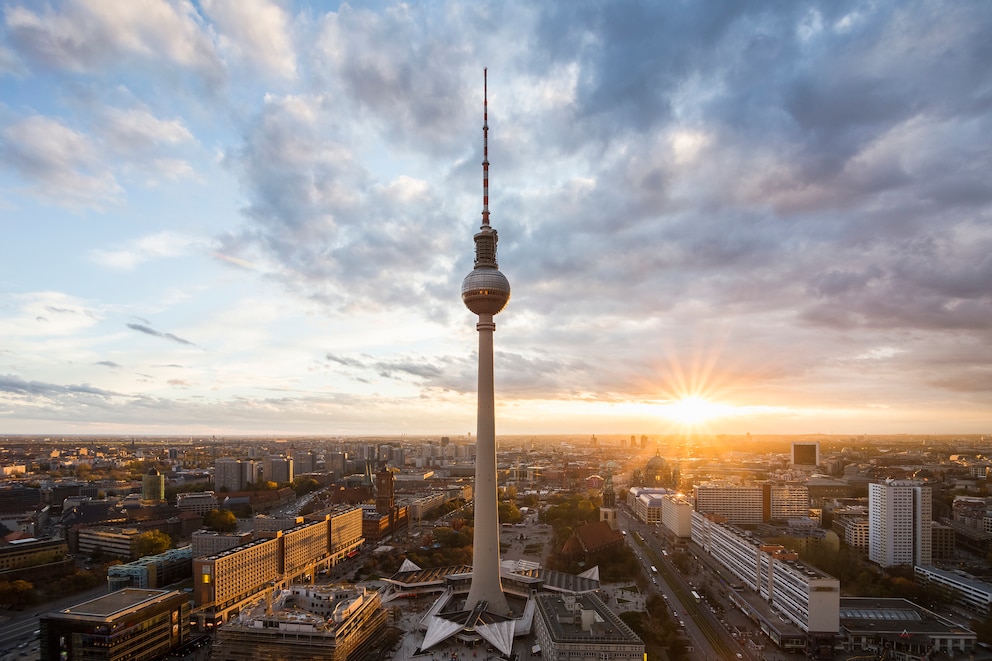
30, 552
304, 622
787, 500
210, 542
647, 503
198, 502
153, 487
965, 590
108, 540
800, 593
899, 523
152, 571
277, 468
570, 627
738, 504
132, 623
900, 629
851, 525
806, 453
676, 515
227, 581
228, 475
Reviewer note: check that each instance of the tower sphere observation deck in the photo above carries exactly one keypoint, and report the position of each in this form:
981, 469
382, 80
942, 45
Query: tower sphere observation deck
485, 291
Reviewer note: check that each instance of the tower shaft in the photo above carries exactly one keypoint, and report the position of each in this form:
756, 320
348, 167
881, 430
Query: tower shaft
486, 584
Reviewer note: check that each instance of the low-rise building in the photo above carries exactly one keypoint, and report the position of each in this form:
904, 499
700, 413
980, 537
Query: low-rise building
322, 623
570, 627
132, 624
900, 629
199, 502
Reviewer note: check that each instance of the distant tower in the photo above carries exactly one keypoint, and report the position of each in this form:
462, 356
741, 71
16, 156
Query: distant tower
153, 487
608, 512
486, 291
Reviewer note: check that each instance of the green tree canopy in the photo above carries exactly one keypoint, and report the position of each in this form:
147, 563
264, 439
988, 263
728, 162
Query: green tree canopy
151, 543
221, 520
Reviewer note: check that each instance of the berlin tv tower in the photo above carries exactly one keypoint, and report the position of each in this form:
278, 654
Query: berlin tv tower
486, 291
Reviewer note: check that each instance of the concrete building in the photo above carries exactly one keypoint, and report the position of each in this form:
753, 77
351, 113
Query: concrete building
228, 475
132, 623
210, 542
899, 523
738, 504
676, 515
277, 468
153, 487
966, 590
108, 540
806, 454
322, 623
851, 525
152, 571
647, 503
229, 580
568, 627
800, 593
198, 502
900, 629
31, 552
787, 500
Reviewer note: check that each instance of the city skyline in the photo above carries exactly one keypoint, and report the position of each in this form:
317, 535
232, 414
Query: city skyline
249, 218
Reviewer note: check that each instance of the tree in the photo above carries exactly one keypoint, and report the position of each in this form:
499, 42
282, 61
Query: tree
152, 542
304, 485
221, 520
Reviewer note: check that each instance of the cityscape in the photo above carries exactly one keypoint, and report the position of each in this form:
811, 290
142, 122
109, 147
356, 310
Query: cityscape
738, 406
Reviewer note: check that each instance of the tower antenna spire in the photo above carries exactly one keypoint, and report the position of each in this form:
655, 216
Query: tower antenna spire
485, 147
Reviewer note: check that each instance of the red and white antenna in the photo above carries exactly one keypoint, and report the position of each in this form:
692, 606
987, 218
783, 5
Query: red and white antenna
485, 148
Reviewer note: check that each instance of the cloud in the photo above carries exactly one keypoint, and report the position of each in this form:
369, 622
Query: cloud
154, 246
84, 35
136, 129
108, 363
15, 385
151, 331
257, 32
61, 164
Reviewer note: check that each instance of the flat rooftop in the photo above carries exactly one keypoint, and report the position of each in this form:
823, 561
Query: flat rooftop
115, 603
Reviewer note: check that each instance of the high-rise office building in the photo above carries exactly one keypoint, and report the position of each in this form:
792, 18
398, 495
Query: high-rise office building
277, 468
806, 453
899, 523
486, 291
228, 475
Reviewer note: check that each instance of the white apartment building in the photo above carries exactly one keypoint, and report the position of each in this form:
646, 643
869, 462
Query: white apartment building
676, 515
739, 504
802, 594
899, 518
969, 592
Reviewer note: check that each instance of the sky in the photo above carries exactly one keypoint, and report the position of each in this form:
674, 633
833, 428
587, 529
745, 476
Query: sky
254, 217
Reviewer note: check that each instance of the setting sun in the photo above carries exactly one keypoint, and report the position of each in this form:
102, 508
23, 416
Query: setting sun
692, 411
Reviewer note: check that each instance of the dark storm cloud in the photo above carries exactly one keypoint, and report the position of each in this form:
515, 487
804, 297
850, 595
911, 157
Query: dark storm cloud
151, 331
